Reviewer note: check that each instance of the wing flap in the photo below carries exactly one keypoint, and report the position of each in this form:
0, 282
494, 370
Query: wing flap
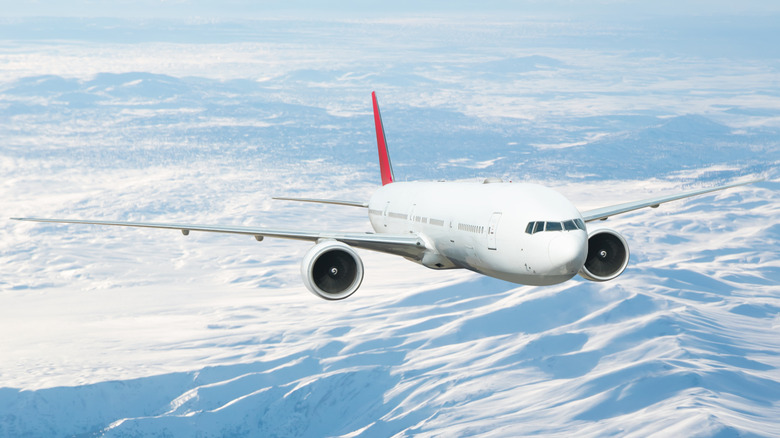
605, 212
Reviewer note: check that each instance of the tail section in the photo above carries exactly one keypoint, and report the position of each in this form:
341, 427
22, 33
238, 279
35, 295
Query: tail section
385, 167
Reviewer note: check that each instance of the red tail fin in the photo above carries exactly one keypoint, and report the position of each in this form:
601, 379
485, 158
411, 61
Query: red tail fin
385, 167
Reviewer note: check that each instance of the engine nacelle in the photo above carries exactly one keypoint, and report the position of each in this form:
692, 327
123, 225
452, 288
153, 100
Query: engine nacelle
332, 270
607, 255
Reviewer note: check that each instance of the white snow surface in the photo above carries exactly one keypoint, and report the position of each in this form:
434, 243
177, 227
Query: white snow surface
136, 332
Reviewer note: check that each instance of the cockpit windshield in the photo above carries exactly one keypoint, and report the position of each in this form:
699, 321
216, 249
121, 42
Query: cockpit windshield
569, 225
553, 226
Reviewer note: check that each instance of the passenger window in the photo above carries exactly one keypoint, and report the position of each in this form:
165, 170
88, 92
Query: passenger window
530, 228
539, 227
569, 225
554, 226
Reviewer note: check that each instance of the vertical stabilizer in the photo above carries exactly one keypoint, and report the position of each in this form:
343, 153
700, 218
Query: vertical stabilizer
385, 167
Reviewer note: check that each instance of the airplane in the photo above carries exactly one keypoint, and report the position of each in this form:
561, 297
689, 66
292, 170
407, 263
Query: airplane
522, 233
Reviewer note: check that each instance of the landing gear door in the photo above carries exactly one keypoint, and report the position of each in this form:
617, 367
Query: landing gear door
492, 226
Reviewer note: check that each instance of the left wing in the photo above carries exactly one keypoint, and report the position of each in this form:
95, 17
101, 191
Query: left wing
406, 245
605, 212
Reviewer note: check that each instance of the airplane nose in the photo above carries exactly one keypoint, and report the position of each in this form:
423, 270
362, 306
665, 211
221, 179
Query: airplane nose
568, 252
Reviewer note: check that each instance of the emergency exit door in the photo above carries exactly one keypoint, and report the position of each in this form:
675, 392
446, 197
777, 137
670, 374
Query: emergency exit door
492, 226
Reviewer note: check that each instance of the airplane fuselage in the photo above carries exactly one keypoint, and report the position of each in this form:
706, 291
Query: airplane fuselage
484, 227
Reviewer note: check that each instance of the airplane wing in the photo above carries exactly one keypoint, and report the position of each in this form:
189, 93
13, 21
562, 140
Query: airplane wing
605, 212
406, 245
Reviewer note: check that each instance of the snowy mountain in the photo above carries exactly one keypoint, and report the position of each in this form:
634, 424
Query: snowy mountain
124, 332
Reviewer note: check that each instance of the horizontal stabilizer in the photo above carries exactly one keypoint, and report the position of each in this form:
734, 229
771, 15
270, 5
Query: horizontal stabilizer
324, 201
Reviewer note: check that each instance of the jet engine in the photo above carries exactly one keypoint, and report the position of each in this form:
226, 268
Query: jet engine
332, 270
607, 255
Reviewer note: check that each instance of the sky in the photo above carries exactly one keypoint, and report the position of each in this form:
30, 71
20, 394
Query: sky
234, 9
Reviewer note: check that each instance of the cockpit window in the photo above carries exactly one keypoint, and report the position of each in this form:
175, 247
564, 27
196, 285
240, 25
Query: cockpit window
554, 226
569, 225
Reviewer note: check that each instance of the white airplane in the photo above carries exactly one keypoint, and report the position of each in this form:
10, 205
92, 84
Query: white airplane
522, 233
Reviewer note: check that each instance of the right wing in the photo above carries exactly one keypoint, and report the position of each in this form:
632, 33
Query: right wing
605, 212
406, 245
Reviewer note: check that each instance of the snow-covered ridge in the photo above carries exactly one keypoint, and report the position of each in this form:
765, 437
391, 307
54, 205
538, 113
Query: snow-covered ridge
680, 342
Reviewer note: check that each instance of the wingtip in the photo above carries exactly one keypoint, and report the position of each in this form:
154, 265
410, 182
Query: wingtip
743, 183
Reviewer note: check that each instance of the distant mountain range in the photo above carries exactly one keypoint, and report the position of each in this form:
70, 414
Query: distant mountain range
195, 118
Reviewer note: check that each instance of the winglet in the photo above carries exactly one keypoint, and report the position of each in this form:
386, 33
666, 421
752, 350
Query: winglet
385, 167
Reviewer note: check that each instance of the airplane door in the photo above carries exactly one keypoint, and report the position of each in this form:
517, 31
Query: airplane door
384, 213
411, 221
494, 219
